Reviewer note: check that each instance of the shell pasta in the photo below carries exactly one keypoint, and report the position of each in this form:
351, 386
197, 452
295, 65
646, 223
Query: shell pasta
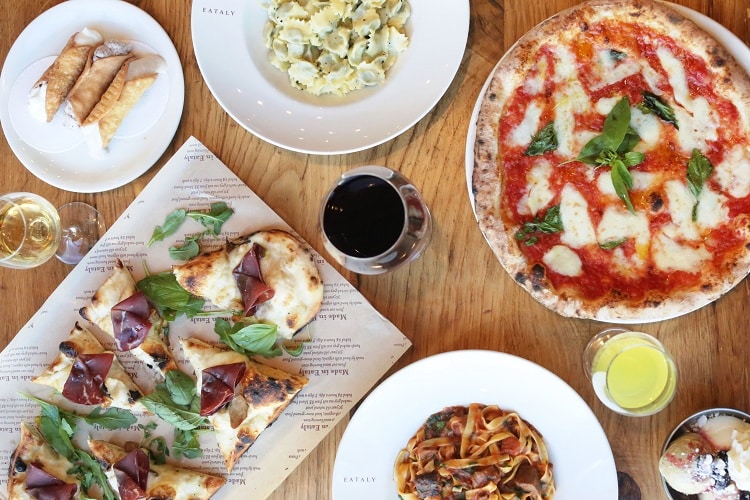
475, 452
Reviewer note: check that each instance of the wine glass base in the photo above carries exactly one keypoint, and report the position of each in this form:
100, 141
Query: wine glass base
82, 226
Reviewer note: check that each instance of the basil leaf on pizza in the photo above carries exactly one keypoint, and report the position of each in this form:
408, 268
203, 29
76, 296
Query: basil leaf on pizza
648, 184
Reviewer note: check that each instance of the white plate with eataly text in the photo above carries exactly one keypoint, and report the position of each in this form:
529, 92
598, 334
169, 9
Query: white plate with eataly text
228, 42
582, 461
144, 134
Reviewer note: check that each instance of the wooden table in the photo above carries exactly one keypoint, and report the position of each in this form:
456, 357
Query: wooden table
456, 296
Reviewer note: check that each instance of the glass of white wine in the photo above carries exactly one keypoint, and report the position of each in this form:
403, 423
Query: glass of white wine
32, 230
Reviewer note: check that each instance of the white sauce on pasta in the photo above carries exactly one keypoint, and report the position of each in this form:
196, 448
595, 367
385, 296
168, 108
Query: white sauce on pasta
336, 46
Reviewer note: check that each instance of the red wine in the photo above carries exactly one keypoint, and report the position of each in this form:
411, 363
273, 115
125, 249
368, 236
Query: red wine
364, 216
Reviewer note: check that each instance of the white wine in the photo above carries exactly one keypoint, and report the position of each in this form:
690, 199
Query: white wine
29, 230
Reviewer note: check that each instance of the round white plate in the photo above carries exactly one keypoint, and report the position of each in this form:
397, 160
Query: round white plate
734, 45
583, 466
63, 159
228, 43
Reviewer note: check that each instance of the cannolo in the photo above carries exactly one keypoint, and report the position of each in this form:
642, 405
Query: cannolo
49, 92
142, 72
99, 73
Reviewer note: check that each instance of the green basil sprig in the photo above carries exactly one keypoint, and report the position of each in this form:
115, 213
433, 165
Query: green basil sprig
545, 140
248, 337
550, 223
652, 103
612, 244
614, 148
699, 169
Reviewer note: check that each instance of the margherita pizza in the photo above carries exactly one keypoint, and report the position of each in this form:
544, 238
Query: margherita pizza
612, 163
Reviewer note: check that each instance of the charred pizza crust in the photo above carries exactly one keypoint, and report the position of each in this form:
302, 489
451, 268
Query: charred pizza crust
120, 285
119, 389
261, 395
32, 448
287, 267
165, 481
495, 216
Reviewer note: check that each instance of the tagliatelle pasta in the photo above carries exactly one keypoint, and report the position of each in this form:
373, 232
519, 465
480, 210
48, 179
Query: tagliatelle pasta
336, 46
475, 452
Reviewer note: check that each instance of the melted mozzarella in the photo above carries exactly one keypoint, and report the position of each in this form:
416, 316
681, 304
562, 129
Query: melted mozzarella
522, 134
647, 126
563, 260
534, 85
540, 194
578, 230
680, 203
712, 209
733, 173
669, 255
642, 181
613, 71
618, 223
570, 99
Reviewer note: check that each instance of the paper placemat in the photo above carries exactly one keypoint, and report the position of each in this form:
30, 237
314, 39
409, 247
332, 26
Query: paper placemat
351, 345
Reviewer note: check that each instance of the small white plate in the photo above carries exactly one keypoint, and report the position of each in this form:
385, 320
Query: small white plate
55, 152
583, 465
228, 43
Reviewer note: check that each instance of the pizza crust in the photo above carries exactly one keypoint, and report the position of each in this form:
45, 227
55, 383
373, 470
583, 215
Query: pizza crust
487, 179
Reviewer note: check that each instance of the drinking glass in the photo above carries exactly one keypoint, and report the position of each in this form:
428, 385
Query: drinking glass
632, 372
374, 220
32, 230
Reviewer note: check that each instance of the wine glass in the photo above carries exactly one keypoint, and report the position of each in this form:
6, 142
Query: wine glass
32, 230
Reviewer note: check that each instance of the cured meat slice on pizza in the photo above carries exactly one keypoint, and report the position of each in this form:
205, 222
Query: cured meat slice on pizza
269, 274
85, 373
38, 471
122, 312
134, 476
611, 172
239, 396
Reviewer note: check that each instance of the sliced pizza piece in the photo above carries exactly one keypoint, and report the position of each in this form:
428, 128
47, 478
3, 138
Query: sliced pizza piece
133, 475
38, 471
123, 313
85, 373
269, 274
239, 396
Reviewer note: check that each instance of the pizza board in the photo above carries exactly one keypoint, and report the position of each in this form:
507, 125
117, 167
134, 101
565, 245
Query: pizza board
351, 345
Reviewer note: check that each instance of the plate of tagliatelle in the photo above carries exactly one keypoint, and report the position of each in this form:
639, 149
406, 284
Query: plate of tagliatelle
524, 409
229, 37
132, 76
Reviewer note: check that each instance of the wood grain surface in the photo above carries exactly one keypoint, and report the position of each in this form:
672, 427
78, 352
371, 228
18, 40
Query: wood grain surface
456, 296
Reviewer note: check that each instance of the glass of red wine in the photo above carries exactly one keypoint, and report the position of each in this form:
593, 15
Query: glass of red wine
374, 220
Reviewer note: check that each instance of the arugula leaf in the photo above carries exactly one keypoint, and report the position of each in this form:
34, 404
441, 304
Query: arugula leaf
187, 250
158, 451
652, 103
699, 169
169, 297
90, 473
171, 224
551, 223
612, 244
545, 140
214, 218
249, 338
186, 444
112, 418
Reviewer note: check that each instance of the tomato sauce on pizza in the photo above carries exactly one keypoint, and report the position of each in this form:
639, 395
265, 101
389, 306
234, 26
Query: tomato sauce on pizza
612, 163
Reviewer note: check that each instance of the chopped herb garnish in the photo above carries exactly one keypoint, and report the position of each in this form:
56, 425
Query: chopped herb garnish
613, 148
617, 55
550, 223
699, 169
545, 140
652, 103
612, 244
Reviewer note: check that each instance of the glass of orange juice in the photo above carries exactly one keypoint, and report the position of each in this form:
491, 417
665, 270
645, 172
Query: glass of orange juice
632, 372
